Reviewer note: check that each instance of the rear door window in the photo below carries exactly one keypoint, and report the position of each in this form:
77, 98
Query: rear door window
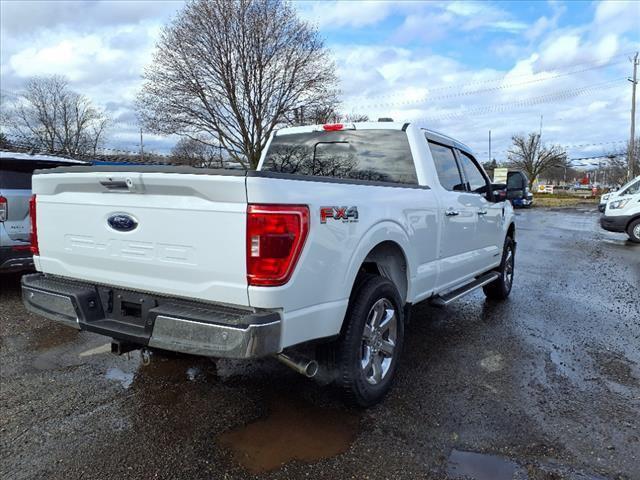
446, 167
376, 155
476, 181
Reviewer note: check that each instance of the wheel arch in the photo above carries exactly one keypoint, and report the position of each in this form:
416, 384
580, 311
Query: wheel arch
631, 220
385, 251
388, 260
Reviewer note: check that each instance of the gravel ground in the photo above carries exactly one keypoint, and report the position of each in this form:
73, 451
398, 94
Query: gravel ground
543, 386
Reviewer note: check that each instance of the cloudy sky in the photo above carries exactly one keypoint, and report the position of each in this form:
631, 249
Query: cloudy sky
462, 68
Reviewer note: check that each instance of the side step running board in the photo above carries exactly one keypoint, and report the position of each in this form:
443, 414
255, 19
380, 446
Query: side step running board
441, 301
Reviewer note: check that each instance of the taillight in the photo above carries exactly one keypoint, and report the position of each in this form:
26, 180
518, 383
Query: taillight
34, 230
4, 212
275, 237
332, 127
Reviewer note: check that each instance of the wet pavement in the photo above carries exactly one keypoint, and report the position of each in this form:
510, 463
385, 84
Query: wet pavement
543, 386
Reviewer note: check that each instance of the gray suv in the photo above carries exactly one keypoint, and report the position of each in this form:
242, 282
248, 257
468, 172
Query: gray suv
16, 170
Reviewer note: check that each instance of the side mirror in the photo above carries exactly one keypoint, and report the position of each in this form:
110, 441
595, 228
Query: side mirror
498, 192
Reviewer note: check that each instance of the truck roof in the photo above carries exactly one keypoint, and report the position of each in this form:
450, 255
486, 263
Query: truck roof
357, 126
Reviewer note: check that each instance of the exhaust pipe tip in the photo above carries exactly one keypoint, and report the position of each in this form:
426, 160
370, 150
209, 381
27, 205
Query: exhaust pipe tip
307, 367
311, 369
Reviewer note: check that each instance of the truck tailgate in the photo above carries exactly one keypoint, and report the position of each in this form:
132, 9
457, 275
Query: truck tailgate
188, 241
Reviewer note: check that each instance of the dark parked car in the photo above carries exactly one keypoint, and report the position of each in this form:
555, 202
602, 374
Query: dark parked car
16, 170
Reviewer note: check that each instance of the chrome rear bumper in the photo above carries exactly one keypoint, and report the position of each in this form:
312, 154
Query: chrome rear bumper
158, 322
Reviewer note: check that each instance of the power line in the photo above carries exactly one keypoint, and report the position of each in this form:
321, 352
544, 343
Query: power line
569, 146
594, 157
555, 74
553, 97
427, 97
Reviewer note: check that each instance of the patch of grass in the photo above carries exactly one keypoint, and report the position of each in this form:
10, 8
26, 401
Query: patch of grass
559, 201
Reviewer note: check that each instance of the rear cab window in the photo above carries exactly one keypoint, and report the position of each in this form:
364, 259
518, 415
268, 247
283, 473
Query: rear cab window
378, 155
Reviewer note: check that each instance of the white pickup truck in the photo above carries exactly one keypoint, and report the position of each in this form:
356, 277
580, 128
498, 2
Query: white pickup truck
327, 245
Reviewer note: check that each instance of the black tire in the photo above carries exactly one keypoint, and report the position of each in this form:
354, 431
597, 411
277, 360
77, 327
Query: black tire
500, 288
633, 230
361, 386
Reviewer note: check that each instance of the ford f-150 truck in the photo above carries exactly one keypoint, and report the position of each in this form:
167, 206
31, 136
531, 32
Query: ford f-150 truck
327, 245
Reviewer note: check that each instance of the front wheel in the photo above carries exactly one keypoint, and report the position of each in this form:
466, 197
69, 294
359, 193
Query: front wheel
500, 288
633, 230
369, 348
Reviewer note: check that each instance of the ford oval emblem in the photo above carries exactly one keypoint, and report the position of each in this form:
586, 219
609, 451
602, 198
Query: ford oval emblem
122, 222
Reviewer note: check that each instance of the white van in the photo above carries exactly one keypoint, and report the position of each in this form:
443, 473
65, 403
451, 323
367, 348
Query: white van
633, 183
622, 213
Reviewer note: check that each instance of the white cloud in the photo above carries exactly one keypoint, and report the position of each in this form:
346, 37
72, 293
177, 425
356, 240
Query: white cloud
619, 16
508, 26
544, 24
426, 27
561, 50
26, 17
70, 57
339, 14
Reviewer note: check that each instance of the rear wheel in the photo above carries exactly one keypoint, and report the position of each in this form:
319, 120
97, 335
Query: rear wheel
367, 353
500, 288
633, 230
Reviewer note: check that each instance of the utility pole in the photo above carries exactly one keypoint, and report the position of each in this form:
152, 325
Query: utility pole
539, 146
632, 139
141, 147
489, 146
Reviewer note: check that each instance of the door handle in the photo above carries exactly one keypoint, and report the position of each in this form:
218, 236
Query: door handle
482, 212
450, 212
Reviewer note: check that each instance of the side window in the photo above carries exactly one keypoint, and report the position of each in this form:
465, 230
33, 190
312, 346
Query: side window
476, 182
632, 189
446, 167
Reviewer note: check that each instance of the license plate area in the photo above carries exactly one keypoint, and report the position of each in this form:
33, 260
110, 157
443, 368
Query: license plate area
130, 309
127, 307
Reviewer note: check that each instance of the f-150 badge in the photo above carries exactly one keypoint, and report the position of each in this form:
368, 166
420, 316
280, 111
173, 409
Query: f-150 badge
346, 214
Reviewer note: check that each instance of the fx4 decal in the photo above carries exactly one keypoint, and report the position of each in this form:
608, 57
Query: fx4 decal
346, 214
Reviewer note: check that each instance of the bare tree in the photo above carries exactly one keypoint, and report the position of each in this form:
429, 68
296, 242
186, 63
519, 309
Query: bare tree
529, 155
355, 117
48, 115
4, 141
614, 167
233, 70
190, 151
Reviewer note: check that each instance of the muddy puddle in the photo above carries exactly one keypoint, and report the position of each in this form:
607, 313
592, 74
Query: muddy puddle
480, 466
292, 430
164, 371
